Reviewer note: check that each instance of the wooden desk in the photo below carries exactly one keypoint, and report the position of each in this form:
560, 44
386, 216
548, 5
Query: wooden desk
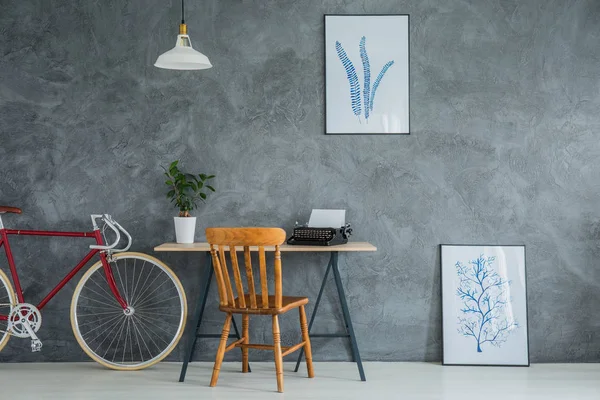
331, 266
203, 247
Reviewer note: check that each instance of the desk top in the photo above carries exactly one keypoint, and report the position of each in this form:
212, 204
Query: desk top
203, 246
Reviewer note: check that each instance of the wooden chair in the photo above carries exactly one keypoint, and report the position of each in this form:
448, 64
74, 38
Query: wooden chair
251, 303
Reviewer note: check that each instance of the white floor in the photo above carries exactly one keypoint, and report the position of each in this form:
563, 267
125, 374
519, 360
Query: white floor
333, 381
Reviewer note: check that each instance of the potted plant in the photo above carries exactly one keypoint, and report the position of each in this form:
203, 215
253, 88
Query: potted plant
185, 190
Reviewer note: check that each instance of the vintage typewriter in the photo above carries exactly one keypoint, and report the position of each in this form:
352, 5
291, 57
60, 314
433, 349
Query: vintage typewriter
304, 235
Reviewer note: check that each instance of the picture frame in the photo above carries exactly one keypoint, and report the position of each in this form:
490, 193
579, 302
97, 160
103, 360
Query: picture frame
367, 74
484, 305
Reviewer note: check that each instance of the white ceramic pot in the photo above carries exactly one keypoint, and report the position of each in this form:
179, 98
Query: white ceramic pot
185, 228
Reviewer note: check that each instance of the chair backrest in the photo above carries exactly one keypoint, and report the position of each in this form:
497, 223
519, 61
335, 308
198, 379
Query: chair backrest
226, 239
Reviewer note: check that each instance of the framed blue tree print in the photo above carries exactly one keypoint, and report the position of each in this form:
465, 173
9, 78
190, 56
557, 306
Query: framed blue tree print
484, 305
367, 74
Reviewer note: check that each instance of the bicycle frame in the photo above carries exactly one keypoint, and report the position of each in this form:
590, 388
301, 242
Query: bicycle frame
4, 233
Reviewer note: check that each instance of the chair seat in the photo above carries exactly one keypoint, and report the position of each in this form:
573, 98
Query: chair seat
14, 210
287, 303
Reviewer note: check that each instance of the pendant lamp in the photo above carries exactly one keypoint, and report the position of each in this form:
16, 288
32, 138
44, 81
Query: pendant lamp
183, 56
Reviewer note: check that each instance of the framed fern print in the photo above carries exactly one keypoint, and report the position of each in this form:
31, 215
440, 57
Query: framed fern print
367, 74
484, 305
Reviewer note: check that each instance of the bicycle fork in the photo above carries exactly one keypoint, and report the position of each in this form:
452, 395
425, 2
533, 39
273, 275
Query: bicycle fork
110, 278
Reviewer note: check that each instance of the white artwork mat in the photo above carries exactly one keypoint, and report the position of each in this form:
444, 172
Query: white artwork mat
484, 305
367, 74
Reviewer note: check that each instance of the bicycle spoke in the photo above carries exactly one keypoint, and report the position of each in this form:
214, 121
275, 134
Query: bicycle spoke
169, 312
133, 278
102, 308
111, 342
143, 301
100, 294
151, 330
125, 341
147, 287
119, 341
149, 336
101, 313
95, 321
110, 295
132, 332
138, 282
97, 301
100, 326
144, 287
137, 339
115, 326
157, 309
155, 325
170, 298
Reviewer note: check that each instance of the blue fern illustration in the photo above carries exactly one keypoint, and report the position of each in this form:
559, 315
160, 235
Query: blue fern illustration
368, 92
352, 78
378, 81
484, 296
367, 73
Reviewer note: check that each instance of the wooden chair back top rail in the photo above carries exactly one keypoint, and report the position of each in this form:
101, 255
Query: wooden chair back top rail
245, 236
222, 240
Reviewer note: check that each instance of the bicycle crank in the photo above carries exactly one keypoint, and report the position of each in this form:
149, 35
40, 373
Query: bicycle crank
24, 321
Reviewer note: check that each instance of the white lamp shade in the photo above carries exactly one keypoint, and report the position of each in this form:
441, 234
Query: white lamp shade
183, 57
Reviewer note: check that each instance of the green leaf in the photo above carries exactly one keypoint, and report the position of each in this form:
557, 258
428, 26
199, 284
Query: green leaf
210, 176
203, 177
202, 195
171, 193
174, 164
169, 182
210, 187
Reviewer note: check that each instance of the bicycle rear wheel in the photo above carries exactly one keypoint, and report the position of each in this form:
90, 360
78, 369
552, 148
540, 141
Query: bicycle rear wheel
124, 340
7, 301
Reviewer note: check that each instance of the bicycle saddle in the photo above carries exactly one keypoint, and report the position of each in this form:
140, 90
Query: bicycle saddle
13, 210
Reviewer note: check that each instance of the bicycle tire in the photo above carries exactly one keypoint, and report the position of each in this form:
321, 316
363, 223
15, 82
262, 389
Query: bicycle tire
7, 293
142, 321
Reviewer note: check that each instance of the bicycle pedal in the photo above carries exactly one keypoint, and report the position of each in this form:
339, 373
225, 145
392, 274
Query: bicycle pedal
36, 345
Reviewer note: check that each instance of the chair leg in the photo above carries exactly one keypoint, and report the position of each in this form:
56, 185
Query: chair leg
277, 353
246, 336
306, 340
221, 351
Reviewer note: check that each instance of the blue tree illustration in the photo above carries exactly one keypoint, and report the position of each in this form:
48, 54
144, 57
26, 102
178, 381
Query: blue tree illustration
484, 296
369, 91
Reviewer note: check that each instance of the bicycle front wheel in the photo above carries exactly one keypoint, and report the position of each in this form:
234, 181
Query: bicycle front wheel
144, 334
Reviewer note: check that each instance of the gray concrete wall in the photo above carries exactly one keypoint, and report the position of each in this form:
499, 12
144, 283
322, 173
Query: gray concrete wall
504, 149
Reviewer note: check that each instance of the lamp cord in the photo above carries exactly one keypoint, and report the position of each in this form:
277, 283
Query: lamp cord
182, 14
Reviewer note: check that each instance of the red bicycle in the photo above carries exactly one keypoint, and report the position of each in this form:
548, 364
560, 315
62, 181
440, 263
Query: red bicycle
128, 311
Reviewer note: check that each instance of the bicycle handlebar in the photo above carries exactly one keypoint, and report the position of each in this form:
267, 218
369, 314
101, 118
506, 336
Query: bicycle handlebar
129, 240
114, 225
